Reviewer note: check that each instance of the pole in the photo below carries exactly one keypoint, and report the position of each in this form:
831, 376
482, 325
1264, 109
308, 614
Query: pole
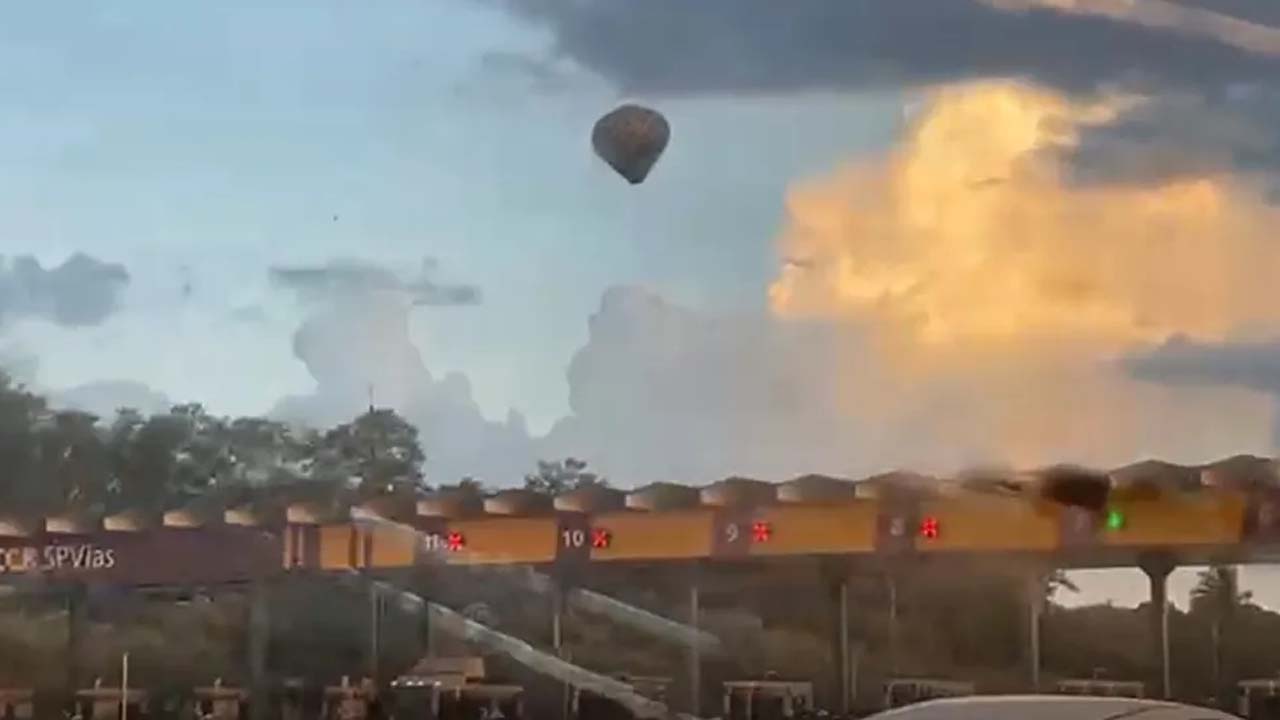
1035, 605
124, 686
375, 630
77, 619
1157, 568
695, 653
557, 639
843, 679
893, 624
259, 630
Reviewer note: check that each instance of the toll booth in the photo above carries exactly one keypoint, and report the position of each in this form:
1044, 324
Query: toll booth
1101, 688
587, 705
482, 701
296, 700
17, 703
350, 701
766, 699
105, 703
1258, 699
438, 688
218, 702
905, 691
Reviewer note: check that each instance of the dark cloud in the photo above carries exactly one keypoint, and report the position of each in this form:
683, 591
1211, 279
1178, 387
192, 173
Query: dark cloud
1254, 366
79, 292
1251, 366
1185, 134
342, 279
673, 47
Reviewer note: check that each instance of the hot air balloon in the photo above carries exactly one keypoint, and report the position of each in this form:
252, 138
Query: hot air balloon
631, 139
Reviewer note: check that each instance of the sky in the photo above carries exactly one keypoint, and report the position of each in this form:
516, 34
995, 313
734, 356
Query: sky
923, 235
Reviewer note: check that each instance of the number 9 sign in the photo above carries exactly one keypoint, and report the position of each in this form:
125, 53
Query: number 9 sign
732, 532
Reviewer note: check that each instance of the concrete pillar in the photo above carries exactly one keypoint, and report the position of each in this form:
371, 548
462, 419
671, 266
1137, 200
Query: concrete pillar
1036, 589
695, 652
892, 583
842, 659
77, 603
1157, 567
376, 611
259, 640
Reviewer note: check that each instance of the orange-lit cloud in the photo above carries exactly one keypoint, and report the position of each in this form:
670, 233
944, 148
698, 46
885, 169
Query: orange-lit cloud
998, 293
971, 232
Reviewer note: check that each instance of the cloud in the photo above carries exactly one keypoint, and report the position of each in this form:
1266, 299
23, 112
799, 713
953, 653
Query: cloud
355, 343
104, 397
357, 279
663, 393
922, 244
996, 293
79, 292
1183, 135
1182, 361
668, 47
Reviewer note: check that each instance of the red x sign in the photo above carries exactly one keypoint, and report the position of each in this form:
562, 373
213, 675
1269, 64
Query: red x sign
455, 541
600, 538
761, 532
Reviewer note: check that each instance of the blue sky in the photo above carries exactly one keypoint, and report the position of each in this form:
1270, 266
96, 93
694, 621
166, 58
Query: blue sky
213, 141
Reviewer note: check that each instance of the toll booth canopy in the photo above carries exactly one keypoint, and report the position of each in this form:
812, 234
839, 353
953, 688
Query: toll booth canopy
17, 703
1105, 688
348, 701
1258, 699
104, 703
453, 688
218, 702
766, 699
587, 705
905, 691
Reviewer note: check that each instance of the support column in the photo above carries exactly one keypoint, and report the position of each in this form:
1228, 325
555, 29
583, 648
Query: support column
77, 600
1037, 589
1157, 567
259, 630
375, 631
557, 619
892, 582
842, 645
695, 652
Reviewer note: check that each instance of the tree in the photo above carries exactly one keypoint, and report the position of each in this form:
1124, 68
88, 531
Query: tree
553, 478
73, 460
21, 414
1217, 596
377, 451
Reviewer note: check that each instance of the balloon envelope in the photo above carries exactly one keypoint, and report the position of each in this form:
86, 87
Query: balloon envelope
631, 139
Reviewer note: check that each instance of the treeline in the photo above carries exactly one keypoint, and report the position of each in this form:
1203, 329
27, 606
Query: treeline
56, 459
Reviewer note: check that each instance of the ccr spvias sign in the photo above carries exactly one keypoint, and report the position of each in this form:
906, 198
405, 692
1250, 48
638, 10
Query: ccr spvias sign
45, 558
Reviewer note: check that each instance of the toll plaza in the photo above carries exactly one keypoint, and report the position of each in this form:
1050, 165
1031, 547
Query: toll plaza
1151, 515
